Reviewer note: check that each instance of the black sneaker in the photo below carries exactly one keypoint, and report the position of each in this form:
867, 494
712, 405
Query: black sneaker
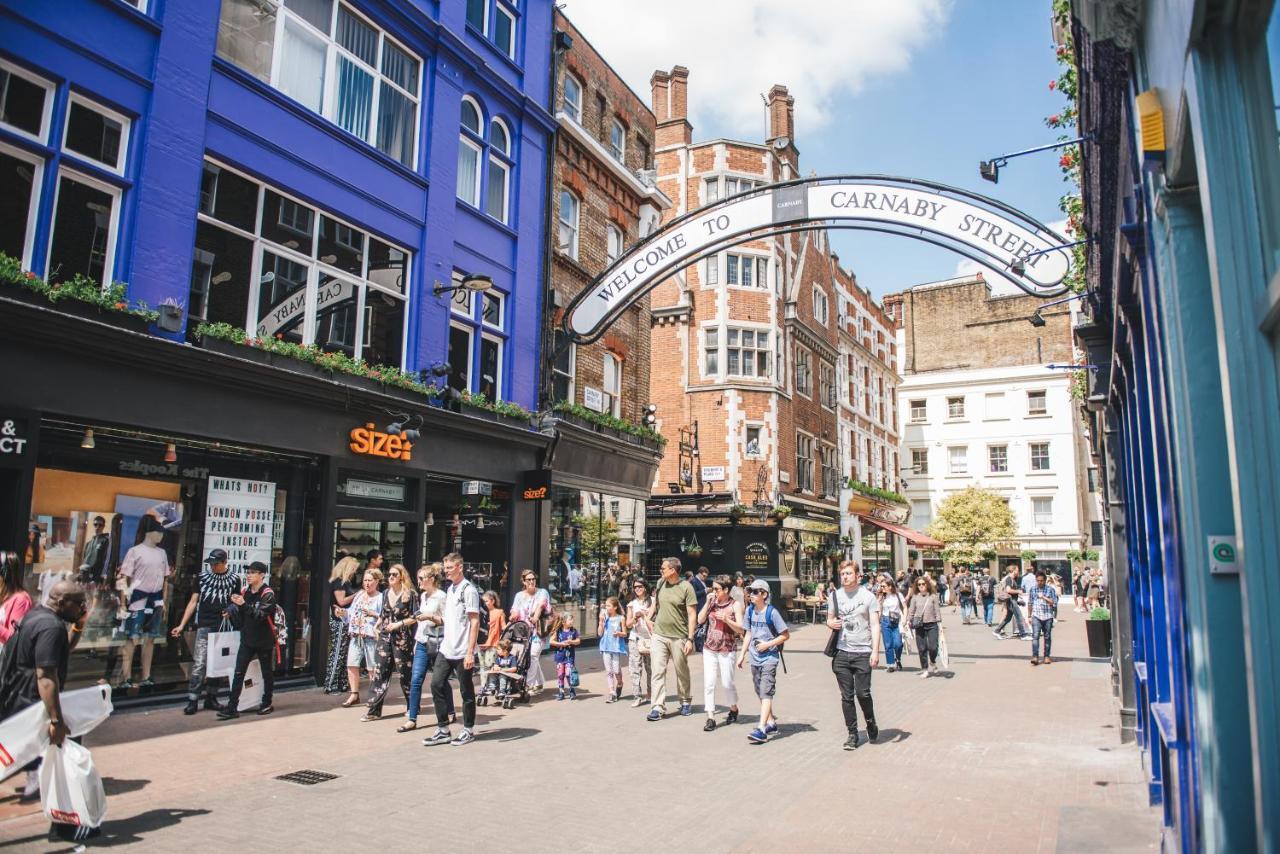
732, 717
873, 731
852, 742
211, 703
191, 708
266, 709
228, 714
709, 725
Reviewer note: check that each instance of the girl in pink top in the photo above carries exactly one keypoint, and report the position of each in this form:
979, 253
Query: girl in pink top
14, 601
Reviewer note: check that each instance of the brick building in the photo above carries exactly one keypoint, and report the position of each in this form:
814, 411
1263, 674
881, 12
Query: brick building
603, 201
744, 367
981, 406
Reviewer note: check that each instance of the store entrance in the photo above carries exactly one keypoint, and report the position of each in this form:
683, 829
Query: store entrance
361, 537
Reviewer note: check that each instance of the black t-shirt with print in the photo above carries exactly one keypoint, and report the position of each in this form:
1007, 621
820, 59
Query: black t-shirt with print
40, 641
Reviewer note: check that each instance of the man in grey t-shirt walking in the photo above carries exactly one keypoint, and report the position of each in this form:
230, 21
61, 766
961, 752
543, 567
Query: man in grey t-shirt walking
854, 611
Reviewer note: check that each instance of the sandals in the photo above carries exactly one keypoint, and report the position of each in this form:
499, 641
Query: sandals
351, 701
408, 726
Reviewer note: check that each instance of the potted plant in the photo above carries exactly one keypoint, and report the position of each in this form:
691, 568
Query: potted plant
694, 551
1028, 556
1097, 628
736, 512
781, 512
813, 550
170, 319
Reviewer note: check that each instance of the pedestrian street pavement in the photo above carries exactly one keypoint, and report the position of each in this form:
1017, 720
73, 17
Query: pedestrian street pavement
995, 755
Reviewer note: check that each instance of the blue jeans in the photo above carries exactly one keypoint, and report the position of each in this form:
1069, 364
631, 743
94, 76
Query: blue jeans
891, 636
422, 665
988, 610
1041, 627
967, 610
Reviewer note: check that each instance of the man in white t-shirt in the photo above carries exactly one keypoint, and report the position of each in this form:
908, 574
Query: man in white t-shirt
457, 655
854, 611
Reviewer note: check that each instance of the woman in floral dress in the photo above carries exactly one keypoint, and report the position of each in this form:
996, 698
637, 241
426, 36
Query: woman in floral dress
395, 640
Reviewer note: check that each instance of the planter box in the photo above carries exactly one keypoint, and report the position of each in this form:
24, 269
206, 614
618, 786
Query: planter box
78, 308
521, 423
1098, 633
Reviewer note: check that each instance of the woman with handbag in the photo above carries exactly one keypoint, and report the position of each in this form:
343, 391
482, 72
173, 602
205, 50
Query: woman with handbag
641, 636
342, 590
891, 623
430, 628
395, 640
723, 618
924, 615
532, 605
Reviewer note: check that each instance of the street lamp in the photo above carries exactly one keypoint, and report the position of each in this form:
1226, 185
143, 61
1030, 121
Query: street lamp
990, 169
1018, 266
472, 283
1036, 320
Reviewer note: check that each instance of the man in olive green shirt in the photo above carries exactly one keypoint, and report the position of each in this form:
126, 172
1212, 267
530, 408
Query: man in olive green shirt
675, 618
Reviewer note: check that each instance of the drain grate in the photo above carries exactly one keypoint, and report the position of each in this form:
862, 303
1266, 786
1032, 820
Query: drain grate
307, 777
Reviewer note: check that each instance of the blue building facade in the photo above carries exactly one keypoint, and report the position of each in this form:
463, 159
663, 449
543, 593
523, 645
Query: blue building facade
313, 171
1182, 207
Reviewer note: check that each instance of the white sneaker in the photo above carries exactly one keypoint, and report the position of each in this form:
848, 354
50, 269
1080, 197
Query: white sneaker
32, 787
924, 674
638, 702
464, 737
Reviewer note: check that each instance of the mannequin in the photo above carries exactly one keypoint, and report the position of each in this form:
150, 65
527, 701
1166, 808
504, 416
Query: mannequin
146, 566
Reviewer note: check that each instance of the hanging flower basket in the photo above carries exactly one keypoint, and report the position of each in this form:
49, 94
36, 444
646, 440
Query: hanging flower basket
694, 551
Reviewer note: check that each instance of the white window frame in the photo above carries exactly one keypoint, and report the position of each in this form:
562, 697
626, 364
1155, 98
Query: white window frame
920, 465
991, 459
1038, 518
710, 190
754, 350
820, 302
951, 412
614, 395
499, 160
759, 270
471, 351
571, 108
952, 468
113, 229
465, 139
1044, 396
614, 242
46, 113
711, 271
33, 211
126, 125
618, 147
575, 226
740, 185
501, 9
572, 373
801, 468
923, 414
711, 348
502, 309
1048, 457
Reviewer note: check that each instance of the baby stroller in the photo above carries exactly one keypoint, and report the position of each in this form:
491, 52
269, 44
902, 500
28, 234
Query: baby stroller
504, 687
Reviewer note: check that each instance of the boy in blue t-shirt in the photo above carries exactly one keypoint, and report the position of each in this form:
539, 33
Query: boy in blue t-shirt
564, 641
766, 633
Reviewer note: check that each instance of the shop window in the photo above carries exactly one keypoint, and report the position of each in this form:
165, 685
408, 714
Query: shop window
998, 457
459, 357
332, 61
25, 101
84, 229
572, 100
490, 384
337, 305
282, 310
96, 133
1040, 456
19, 194
612, 382
341, 246
220, 274
383, 334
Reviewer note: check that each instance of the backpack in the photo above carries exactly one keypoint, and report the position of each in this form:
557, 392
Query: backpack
966, 586
768, 621
984, 584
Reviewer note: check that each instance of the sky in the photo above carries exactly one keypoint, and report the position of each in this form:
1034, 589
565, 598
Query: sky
913, 88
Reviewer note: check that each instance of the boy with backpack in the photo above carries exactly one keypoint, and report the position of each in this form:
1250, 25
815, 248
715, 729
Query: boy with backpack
253, 610
964, 584
987, 590
766, 633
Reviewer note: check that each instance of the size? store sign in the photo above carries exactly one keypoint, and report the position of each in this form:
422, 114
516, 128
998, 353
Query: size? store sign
371, 442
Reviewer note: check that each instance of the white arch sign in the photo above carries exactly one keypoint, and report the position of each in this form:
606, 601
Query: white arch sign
975, 226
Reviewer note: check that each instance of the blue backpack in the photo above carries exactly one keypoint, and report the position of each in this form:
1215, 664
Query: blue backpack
768, 621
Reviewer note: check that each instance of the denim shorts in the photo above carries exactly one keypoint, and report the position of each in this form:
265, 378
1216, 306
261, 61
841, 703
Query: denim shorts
362, 651
140, 624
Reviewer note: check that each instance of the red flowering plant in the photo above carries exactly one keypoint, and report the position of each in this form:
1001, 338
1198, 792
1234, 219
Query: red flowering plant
1070, 162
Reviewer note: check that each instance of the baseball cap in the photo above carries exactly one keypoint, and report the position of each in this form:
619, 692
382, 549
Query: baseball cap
217, 556
256, 566
758, 584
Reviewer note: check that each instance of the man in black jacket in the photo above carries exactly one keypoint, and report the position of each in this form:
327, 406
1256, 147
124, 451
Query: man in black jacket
253, 610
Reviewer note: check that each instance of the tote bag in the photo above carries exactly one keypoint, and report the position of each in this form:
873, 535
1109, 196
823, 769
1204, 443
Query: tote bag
221, 649
251, 691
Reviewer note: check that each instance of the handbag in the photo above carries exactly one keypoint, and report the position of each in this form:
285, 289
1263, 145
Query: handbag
220, 650
833, 642
574, 679
644, 646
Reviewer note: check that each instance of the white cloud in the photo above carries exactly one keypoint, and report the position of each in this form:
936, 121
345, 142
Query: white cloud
737, 49
1000, 286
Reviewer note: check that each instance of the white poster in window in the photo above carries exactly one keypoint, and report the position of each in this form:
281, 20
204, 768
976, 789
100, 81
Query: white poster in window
593, 398
240, 517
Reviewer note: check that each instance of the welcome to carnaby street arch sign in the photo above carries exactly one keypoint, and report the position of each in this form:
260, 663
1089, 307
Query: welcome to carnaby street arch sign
971, 225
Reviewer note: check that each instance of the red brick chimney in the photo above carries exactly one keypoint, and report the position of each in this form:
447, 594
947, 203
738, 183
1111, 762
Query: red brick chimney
781, 113
671, 106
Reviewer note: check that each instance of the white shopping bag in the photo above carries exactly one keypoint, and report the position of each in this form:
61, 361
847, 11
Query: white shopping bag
251, 691
944, 658
25, 735
223, 647
70, 789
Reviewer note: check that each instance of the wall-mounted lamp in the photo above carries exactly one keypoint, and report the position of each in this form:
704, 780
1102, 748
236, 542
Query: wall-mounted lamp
1036, 320
990, 169
398, 428
170, 453
87, 442
1018, 266
474, 283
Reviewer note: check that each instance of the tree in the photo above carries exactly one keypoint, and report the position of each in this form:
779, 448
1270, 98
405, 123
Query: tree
596, 540
972, 522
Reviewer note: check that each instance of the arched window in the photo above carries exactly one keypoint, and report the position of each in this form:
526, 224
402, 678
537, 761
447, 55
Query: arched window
569, 224
470, 148
498, 191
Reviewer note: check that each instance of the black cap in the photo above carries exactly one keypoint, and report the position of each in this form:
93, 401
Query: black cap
217, 556
256, 566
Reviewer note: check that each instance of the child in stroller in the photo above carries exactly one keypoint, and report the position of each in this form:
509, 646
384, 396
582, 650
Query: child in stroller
506, 682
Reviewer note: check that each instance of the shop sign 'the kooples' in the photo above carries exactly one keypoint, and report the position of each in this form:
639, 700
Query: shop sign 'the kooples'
371, 442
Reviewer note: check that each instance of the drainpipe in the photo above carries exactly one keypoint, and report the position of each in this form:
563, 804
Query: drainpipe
548, 323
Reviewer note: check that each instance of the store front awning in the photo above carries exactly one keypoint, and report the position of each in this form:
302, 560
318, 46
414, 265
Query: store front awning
916, 538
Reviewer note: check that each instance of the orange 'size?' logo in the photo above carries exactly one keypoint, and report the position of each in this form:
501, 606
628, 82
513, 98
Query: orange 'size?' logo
535, 494
372, 442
